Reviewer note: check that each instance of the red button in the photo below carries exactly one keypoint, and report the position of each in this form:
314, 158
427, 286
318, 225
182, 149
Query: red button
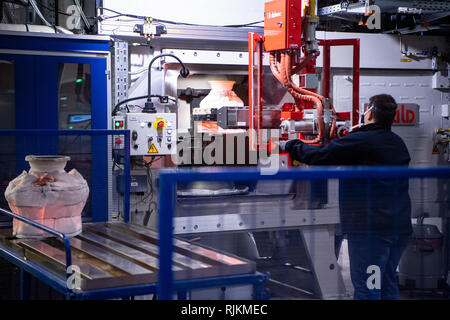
118, 141
161, 124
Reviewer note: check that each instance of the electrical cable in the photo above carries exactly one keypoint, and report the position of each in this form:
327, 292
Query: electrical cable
34, 4
147, 166
53, 9
39, 13
116, 108
184, 72
83, 16
119, 14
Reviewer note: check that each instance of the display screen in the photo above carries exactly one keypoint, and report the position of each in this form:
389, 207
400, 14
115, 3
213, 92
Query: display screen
79, 118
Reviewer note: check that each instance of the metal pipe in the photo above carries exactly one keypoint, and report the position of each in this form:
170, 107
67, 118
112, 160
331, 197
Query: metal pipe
304, 126
255, 46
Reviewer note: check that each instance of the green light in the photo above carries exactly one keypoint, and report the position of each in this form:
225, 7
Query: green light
70, 127
79, 80
117, 124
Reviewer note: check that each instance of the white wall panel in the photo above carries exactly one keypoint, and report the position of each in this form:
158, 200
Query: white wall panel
210, 12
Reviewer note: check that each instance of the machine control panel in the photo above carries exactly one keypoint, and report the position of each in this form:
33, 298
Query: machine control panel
151, 133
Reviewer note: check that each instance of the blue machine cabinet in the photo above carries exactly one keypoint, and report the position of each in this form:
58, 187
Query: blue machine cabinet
60, 82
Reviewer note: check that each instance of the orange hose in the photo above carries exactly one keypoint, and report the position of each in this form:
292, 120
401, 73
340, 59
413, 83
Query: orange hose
283, 71
301, 65
333, 123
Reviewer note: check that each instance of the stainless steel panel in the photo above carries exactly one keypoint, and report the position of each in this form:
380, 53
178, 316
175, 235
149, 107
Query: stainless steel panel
144, 260
146, 247
59, 257
186, 246
119, 262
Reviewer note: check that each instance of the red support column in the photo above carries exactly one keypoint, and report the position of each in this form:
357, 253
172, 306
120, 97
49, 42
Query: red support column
255, 69
356, 66
326, 72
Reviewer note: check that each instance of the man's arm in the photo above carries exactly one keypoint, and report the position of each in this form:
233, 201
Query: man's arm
343, 151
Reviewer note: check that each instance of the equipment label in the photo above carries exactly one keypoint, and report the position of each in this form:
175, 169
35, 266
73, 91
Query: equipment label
407, 114
152, 149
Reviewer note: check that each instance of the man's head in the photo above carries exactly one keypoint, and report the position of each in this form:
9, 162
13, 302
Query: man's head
381, 110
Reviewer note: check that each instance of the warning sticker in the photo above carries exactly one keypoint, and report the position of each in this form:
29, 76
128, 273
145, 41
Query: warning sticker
435, 149
152, 149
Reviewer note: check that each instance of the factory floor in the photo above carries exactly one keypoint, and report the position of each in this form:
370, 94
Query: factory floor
344, 265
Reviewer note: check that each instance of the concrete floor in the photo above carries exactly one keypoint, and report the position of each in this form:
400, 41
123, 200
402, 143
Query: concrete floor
344, 265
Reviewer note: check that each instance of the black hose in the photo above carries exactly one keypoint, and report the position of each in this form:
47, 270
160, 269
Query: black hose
138, 98
184, 72
128, 100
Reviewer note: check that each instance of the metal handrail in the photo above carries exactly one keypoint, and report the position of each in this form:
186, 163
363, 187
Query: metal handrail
169, 178
54, 232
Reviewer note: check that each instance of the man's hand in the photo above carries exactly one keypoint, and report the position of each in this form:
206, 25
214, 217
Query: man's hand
285, 145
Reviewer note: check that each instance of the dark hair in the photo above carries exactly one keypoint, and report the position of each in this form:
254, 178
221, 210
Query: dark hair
384, 108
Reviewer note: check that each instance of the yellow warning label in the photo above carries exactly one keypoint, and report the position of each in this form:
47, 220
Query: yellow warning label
405, 60
152, 149
435, 149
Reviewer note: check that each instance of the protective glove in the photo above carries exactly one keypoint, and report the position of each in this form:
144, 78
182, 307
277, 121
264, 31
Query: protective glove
282, 145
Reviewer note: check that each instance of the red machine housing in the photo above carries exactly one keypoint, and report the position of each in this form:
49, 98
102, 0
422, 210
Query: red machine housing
285, 39
282, 24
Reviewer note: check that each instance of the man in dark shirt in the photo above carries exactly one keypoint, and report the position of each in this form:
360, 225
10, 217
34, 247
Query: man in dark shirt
375, 213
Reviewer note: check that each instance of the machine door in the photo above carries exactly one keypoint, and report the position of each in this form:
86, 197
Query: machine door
17, 111
56, 92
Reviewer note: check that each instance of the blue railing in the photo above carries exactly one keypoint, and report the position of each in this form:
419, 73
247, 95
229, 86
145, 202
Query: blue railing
56, 233
170, 178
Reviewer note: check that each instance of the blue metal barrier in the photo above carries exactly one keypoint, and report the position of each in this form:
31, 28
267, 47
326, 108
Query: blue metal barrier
170, 178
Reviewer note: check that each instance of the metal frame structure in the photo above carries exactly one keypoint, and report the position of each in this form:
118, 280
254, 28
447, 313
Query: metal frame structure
255, 68
430, 11
30, 268
387, 6
356, 66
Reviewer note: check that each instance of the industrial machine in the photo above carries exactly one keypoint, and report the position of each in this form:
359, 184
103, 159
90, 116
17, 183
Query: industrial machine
241, 227
292, 79
295, 84
290, 40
